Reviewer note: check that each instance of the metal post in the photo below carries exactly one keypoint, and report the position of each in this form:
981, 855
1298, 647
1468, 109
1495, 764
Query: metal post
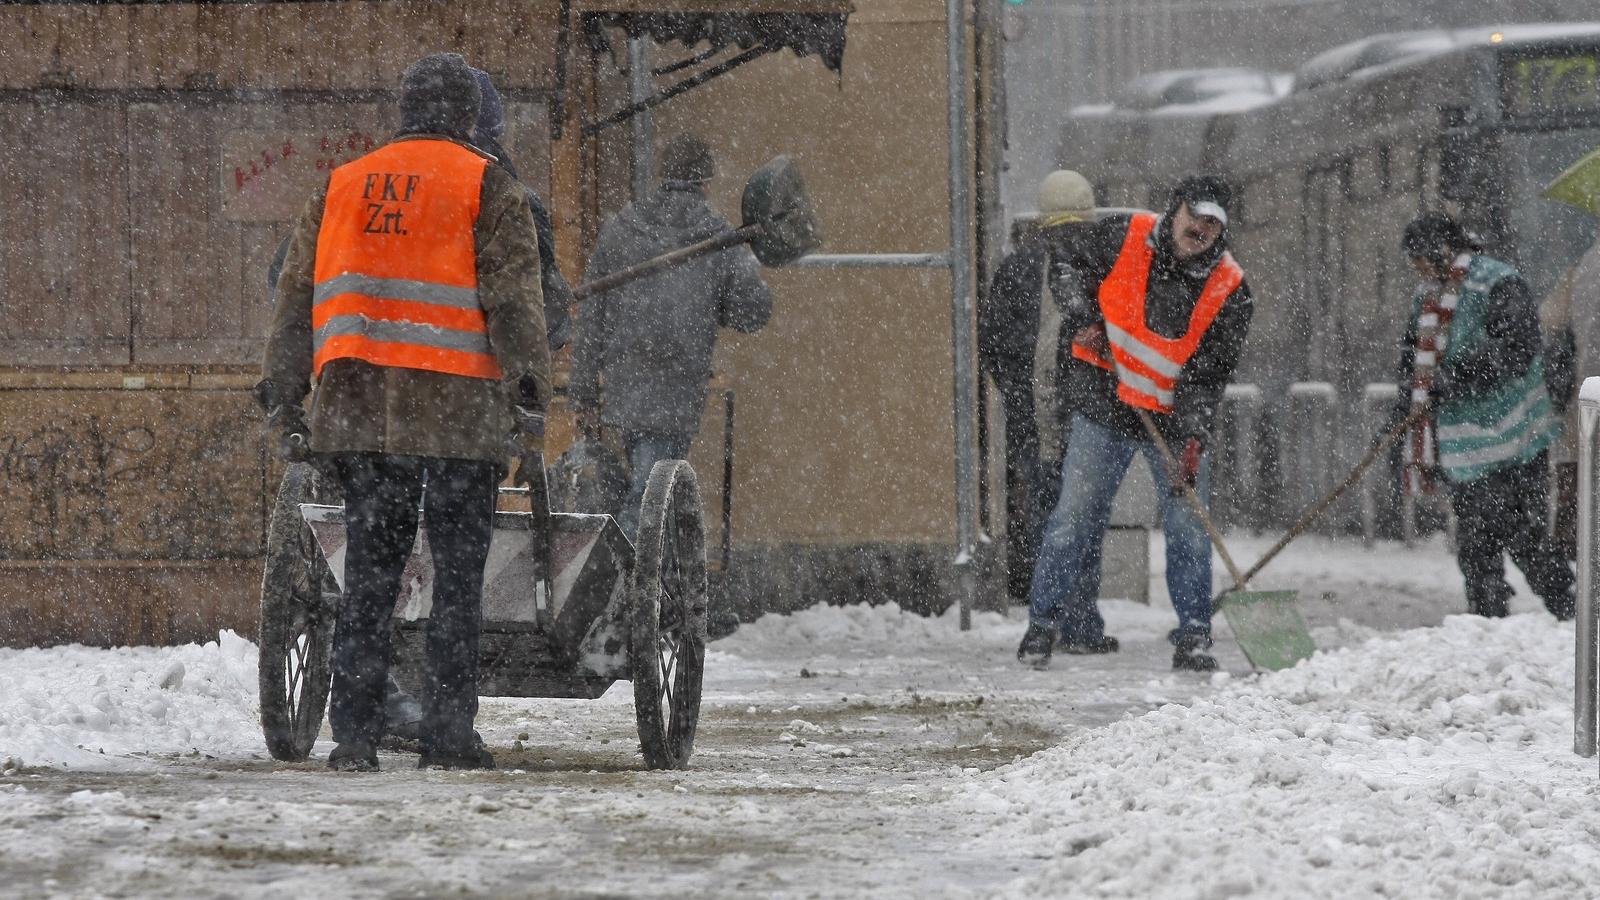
1584, 680
641, 126
1378, 399
961, 312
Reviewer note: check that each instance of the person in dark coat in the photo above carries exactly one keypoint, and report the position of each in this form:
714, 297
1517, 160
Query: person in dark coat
1158, 323
486, 135
1472, 352
1010, 320
643, 354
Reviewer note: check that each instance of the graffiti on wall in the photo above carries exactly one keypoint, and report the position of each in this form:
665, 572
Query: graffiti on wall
129, 475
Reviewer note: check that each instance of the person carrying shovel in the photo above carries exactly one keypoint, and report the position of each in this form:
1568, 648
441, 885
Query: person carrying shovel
1471, 360
1158, 323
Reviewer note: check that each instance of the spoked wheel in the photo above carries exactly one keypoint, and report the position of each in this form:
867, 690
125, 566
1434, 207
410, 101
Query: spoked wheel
667, 596
299, 600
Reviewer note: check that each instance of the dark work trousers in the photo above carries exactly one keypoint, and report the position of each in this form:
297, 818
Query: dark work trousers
1503, 512
645, 449
382, 498
1032, 486
1023, 515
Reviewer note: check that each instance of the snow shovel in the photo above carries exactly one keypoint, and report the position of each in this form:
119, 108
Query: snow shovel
779, 224
1267, 624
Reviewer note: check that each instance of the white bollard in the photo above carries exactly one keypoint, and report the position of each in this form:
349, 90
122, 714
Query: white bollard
1584, 681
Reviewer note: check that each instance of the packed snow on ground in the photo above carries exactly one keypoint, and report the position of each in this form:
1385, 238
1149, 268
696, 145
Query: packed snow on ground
1435, 762
866, 751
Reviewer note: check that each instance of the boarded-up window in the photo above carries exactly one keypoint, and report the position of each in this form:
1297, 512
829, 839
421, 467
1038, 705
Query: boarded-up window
64, 262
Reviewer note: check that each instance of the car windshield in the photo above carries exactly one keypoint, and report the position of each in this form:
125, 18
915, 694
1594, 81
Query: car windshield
1546, 236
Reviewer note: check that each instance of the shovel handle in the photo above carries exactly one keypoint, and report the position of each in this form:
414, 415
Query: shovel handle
1174, 472
742, 235
1316, 509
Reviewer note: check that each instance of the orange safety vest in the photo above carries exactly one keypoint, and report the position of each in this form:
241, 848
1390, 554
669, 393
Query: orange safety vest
1147, 364
397, 272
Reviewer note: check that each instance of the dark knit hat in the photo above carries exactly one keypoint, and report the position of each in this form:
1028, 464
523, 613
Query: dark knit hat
491, 115
687, 158
439, 93
1427, 233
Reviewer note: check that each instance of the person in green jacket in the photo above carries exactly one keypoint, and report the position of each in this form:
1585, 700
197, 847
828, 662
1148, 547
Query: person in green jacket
1472, 353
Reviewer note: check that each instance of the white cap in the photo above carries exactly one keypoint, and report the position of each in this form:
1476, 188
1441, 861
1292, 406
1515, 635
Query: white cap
1210, 209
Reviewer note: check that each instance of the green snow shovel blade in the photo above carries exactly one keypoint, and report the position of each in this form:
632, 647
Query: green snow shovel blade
1268, 627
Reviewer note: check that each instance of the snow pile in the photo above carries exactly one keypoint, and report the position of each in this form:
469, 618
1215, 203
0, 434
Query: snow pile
888, 629
90, 708
1434, 762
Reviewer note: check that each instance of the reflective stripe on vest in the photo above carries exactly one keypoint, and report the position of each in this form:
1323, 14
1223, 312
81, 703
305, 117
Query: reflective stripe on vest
1147, 364
397, 275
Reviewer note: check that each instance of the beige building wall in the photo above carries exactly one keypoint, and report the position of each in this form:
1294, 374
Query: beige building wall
844, 410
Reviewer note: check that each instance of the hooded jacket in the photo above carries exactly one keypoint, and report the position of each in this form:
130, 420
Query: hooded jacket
1174, 288
643, 352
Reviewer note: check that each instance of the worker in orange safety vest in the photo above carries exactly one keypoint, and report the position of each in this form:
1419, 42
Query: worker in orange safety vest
1158, 322
410, 298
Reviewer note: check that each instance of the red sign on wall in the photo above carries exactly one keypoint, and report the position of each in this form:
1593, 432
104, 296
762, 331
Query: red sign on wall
267, 175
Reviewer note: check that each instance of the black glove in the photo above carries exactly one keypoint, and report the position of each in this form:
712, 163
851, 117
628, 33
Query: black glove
527, 435
288, 424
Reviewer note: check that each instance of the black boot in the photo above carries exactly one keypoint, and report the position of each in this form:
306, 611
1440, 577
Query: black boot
354, 756
1490, 601
1037, 643
1189, 654
475, 757
1563, 606
1105, 643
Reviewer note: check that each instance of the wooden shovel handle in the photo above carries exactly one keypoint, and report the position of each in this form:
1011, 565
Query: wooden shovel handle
1316, 509
1175, 472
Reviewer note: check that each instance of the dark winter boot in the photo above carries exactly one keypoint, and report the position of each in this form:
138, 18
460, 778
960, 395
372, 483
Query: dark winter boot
1105, 643
1189, 654
354, 756
1490, 601
1563, 606
720, 624
475, 757
1037, 643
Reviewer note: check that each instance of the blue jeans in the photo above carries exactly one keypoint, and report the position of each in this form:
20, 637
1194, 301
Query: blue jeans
1066, 582
645, 449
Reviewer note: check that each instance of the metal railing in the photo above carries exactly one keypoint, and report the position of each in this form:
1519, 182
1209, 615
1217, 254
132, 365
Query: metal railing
1584, 677
1236, 494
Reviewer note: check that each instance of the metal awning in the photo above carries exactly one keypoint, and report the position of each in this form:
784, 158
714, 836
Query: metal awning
745, 29
808, 29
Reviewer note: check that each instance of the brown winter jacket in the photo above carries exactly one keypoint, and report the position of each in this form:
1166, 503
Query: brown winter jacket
360, 407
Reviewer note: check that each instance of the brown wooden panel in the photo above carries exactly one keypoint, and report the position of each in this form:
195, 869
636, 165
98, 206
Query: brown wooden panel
93, 48
63, 198
29, 39
199, 271
214, 42
173, 475
125, 604
272, 45
182, 253
163, 44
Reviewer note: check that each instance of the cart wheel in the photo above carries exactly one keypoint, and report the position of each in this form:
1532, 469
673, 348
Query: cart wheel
667, 595
299, 599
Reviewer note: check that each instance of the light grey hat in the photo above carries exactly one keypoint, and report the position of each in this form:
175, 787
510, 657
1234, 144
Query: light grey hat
1065, 196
